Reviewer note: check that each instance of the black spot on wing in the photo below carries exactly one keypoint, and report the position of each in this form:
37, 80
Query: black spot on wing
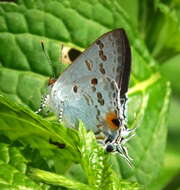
75, 89
116, 122
73, 54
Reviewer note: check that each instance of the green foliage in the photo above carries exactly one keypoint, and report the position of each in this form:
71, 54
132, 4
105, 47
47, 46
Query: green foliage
27, 159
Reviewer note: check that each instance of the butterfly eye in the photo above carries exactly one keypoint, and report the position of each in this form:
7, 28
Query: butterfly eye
110, 148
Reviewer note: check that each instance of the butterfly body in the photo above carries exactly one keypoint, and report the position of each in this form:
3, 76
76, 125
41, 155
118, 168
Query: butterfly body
93, 89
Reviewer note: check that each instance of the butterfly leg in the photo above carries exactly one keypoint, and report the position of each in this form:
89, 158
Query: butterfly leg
44, 102
60, 115
109, 138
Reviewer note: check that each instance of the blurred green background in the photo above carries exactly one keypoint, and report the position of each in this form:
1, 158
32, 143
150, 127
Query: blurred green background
171, 172
153, 28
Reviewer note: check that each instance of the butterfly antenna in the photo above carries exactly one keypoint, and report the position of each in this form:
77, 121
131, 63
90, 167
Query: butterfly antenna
47, 56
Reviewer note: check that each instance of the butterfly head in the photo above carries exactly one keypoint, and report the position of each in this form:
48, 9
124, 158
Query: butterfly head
110, 148
118, 136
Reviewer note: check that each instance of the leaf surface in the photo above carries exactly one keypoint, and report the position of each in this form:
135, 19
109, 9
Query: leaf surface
25, 70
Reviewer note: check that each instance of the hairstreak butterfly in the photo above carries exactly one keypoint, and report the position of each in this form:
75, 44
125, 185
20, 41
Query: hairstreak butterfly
93, 89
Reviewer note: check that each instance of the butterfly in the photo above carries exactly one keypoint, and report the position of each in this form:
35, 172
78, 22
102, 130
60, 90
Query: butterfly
94, 89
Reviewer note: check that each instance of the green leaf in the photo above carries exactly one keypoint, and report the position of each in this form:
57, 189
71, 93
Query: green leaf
95, 164
57, 180
12, 156
24, 73
162, 35
170, 69
173, 123
169, 176
12, 170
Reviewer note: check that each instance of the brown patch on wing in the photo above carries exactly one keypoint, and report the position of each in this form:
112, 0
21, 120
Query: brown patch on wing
89, 65
101, 53
97, 113
101, 45
99, 95
87, 99
98, 42
94, 81
100, 98
101, 69
102, 56
101, 101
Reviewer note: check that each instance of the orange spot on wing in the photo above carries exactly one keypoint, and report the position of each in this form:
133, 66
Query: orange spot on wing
110, 117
